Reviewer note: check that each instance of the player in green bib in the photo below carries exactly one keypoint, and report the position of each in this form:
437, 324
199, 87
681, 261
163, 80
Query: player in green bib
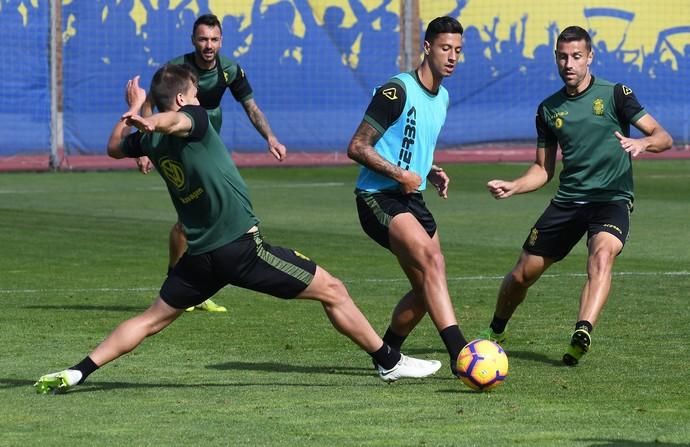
589, 119
225, 245
216, 74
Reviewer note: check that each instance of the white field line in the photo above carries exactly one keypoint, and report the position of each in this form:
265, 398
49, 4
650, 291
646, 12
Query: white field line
555, 275
374, 280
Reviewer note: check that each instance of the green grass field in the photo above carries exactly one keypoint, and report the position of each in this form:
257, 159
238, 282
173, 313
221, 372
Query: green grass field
83, 251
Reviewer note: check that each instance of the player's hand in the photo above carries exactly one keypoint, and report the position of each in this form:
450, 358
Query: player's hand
143, 124
134, 95
144, 164
438, 177
632, 146
409, 182
501, 189
278, 150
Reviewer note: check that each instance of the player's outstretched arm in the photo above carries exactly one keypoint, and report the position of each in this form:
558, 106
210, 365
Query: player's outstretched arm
540, 173
656, 138
119, 132
258, 119
135, 97
501, 189
144, 163
174, 123
169, 123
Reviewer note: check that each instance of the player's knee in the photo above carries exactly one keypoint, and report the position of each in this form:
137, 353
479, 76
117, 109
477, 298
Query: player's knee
437, 260
337, 291
601, 261
520, 277
331, 290
527, 271
432, 259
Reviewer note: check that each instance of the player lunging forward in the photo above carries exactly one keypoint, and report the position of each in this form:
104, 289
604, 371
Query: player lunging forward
225, 245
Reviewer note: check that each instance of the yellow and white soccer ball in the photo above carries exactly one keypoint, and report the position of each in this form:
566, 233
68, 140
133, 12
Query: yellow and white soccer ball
482, 365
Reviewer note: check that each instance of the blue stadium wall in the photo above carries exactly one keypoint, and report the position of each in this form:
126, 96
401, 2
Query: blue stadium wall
313, 64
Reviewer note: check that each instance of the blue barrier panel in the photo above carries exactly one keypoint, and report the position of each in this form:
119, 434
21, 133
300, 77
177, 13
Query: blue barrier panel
313, 64
24, 79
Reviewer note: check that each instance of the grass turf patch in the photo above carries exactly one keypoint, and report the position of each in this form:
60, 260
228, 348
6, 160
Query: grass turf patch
83, 251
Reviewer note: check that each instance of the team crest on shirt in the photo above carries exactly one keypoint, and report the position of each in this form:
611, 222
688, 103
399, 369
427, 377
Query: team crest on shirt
598, 107
557, 118
626, 90
172, 170
390, 93
533, 237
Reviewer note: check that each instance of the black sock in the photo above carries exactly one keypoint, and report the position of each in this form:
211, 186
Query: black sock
498, 325
86, 367
386, 357
454, 340
394, 340
584, 324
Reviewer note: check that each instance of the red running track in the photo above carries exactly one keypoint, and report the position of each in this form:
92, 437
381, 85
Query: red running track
475, 154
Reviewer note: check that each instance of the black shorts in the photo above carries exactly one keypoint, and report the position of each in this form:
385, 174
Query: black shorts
562, 225
377, 209
247, 262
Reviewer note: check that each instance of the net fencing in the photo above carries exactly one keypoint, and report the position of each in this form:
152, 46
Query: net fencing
24, 78
508, 64
313, 64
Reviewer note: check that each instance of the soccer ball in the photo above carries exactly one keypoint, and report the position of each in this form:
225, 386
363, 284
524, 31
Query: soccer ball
482, 365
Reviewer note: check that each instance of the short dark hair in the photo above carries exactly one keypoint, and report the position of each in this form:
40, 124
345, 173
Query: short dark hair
209, 20
168, 81
441, 25
574, 34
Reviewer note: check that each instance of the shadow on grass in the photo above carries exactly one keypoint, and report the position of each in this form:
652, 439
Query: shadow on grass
534, 357
274, 367
88, 307
92, 386
270, 367
15, 383
630, 443
461, 388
